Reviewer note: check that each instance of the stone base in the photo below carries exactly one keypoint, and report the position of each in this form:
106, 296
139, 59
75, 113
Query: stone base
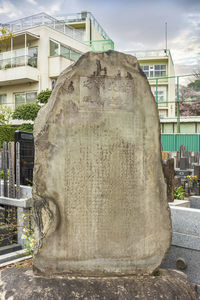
21, 284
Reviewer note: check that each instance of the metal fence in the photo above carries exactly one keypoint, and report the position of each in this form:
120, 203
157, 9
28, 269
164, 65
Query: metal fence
173, 142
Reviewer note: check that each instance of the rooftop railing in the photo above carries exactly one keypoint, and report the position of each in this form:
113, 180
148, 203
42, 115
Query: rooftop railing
149, 53
80, 17
44, 19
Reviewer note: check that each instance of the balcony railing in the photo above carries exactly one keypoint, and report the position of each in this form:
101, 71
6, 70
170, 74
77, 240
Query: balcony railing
149, 53
100, 45
19, 61
44, 19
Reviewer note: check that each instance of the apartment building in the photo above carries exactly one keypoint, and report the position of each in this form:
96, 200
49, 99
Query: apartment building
42, 46
159, 69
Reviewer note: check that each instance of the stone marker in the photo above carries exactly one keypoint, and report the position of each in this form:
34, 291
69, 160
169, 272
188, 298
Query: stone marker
168, 169
184, 163
99, 190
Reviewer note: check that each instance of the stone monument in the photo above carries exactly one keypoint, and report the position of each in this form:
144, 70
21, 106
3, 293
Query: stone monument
99, 190
100, 199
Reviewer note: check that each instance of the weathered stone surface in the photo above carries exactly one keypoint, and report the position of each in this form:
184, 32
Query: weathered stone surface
168, 169
99, 190
20, 284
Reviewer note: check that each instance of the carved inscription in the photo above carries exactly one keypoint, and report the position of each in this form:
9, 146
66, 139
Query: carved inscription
110, 93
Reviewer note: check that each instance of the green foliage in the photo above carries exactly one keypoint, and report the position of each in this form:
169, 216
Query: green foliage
5, 114
7, 134
195, 85
2, 172
28, 233
26, 127
26, 112
179, 193
43, 96
5, 36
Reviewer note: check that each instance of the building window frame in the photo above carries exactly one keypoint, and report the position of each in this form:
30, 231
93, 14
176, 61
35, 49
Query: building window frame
3, 99
161, 95
72, 54
25, 95
156, 70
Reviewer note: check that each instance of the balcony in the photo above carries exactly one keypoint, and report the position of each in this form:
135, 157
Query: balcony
16, 70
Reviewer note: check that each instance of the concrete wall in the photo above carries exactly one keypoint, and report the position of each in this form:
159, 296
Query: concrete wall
168, 82
184, 253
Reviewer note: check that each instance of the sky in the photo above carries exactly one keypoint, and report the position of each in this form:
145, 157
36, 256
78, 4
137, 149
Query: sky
131, 24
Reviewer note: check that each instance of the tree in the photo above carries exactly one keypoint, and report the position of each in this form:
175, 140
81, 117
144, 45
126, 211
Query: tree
44, 96
195, 85
5, 36
5, 115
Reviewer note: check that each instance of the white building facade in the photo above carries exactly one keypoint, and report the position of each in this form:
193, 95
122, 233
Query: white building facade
40, 49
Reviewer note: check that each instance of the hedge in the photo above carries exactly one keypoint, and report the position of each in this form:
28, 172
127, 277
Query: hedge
7, 134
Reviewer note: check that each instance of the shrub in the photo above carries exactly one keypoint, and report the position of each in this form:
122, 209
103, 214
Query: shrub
26, 127
43, 96
179, 193
7, 134
26, 112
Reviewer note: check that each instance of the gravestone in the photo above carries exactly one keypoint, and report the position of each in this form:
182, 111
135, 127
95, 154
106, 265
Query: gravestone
99, 190
184, 163
197, 171
168, 169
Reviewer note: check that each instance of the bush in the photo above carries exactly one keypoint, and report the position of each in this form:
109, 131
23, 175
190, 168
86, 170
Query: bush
7, 134
26, 112
43, 96
179, 193
26, 127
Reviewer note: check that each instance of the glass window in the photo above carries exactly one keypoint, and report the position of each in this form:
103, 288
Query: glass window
154, 70
74, 55
25, 98
161, 95
64, 52
32, 57
20, 99
3, 99
31, 97
54, 48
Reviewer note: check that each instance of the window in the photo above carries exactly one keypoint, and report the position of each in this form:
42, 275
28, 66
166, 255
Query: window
58, 49
64, 52
32, 57
25, 98
160, 70
161, 95
3, 99
54, 48
154, 70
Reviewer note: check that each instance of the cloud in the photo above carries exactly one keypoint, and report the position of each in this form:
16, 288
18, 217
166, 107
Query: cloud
32, 2
8, 9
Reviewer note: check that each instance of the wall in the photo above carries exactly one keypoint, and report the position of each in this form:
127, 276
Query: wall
20, 88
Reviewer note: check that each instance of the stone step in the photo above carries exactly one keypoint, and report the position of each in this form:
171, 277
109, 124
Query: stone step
12, 256
9, 249
15, 261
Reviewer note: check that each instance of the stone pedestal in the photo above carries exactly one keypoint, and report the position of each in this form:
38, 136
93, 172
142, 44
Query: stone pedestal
20, 284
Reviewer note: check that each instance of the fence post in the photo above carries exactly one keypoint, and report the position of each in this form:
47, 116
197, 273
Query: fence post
18, 170
5, 165
11, 171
